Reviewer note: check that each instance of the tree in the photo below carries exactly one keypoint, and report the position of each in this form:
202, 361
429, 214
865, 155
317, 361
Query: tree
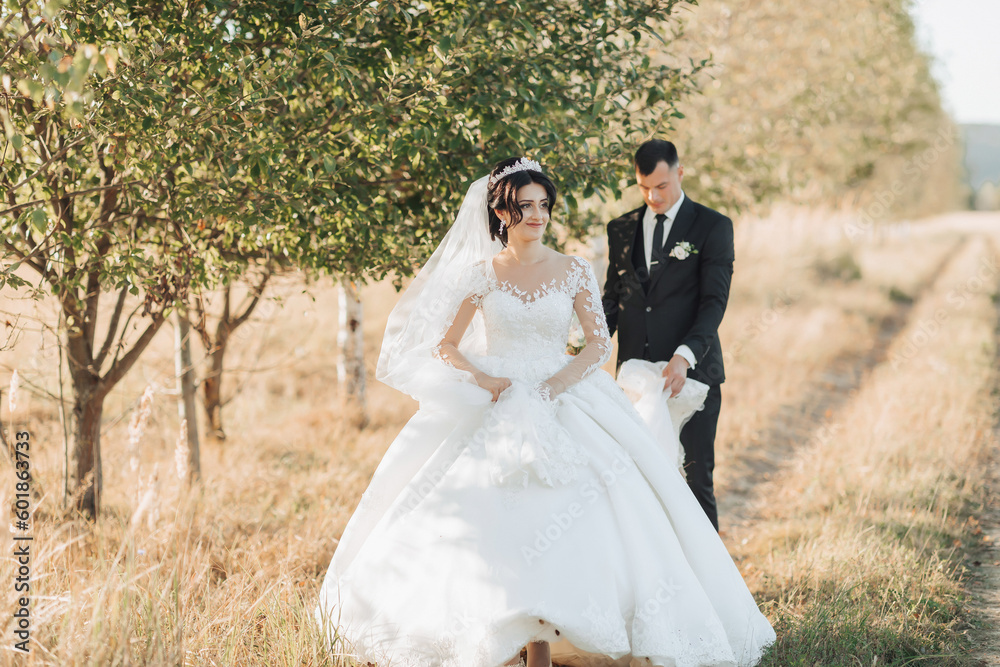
351, 349
216, 342
191, 465
814, 102
154, 148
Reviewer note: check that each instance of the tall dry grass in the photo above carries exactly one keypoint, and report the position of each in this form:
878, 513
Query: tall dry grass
858, 541
804, 298
227, 572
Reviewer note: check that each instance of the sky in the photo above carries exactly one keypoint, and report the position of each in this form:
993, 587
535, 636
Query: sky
963, 37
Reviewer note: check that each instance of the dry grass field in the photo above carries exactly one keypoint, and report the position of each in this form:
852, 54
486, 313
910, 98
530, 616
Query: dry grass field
857, 436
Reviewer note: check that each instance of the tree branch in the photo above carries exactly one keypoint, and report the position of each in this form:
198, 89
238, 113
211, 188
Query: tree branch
21, 9
257, 292
109, 197
43, 166
79, 359
77, 193
122, 366
40, 268
29, 33
200, 322
92, 299
109, 201
112, 328
222, 331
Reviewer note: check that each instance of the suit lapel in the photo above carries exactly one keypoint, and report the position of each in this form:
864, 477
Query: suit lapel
629, 229
678, 232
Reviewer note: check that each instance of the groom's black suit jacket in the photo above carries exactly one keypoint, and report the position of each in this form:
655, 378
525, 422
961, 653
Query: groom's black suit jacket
683, 301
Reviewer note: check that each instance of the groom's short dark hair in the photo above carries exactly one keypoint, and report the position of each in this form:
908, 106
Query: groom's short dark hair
654, 152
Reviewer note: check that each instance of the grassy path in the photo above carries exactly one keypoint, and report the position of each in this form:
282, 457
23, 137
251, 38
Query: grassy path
984, 561
856, 541
828, 390
984, 578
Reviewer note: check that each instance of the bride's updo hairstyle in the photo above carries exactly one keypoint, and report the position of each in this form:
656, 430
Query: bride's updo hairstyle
502, 192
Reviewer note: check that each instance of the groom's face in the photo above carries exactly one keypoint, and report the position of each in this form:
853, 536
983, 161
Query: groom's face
662, 188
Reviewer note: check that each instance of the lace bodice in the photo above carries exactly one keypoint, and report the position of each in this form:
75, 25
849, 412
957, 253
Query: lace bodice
527, 326
527, 329
531, 327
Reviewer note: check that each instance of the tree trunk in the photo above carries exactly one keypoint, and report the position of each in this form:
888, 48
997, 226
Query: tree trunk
212, 395
351, 362
85, 449
89, 391
215, 346
88, 478
185, 380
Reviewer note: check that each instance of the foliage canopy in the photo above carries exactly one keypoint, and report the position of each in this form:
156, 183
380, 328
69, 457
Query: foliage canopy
152, 148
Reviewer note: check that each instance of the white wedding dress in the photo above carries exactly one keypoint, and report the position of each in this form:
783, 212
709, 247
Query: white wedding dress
489, 525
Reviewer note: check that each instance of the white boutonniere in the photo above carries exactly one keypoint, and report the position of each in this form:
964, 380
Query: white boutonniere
683, 250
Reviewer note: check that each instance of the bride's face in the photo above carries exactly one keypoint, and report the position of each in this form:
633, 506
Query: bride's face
533, 202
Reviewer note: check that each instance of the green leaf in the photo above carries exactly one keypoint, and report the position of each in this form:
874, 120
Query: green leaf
33, 89
39, 220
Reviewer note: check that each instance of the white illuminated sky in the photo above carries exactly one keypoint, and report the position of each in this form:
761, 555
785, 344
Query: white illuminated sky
963, 36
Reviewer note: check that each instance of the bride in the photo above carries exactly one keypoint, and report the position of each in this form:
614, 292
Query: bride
526, 502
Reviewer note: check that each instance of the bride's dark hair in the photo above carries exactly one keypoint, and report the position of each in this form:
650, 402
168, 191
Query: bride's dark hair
502, 195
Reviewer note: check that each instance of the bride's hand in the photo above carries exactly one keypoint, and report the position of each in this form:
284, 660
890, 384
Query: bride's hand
495, 386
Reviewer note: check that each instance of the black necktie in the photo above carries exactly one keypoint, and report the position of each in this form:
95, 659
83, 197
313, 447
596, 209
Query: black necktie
656, 252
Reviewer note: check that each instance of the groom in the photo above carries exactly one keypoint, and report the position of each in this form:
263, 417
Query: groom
670, 264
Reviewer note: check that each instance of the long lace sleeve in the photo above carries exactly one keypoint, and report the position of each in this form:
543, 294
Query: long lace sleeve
447, 349
473, 281
590, 312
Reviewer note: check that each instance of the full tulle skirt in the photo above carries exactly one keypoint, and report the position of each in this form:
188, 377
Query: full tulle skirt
487, 526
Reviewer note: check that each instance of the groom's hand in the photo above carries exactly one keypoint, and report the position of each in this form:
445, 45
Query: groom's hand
675, 375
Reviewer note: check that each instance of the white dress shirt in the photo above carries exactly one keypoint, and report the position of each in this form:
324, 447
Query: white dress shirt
648, 228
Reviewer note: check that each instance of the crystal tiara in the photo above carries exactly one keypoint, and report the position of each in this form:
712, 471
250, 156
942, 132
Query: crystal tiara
524, 164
